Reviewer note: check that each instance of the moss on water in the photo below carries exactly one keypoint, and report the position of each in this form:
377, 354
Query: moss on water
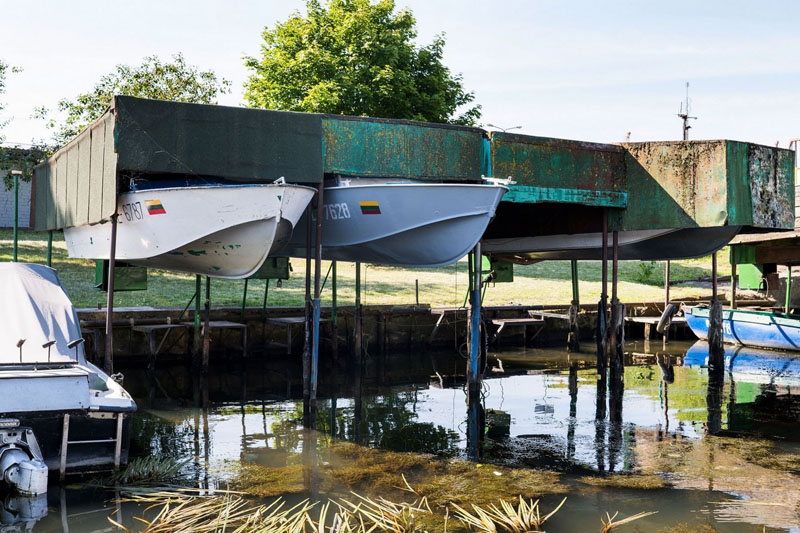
626, 481
346, 467
267, 481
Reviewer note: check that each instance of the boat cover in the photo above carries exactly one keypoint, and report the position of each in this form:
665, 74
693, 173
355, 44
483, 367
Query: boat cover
35, 308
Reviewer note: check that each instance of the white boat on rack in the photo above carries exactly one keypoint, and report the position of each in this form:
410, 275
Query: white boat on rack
58, 411
660, 244
400, 222
224, 231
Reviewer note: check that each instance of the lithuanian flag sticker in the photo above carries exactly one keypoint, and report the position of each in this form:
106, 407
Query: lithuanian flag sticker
154, 207
370, 208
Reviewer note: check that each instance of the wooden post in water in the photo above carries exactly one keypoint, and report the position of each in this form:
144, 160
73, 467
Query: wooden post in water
198, 292
307, 322
473, 370
716, 353
573, 337
617, 340
602, 305
108, 360
206, 332
316, 302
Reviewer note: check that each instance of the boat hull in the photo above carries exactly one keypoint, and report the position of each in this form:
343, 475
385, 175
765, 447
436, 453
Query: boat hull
224, 231
650, 245
749, 328
401, 224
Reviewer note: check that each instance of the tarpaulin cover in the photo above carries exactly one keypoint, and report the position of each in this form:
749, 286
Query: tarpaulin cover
36, 308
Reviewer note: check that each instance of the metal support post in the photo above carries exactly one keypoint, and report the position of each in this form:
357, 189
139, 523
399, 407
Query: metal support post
602, 305
716, 353
307, 321
50, 248
206, 332
16, 174
573, 337
734, 277
198, 292
357, 318
316, 302
473, 374
244, 298
788, 304
617, 339
108, 361
665, 338
334, 316
264, 305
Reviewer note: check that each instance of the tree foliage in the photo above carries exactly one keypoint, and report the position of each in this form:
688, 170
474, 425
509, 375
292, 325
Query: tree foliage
154, 78
3, 69
356, 58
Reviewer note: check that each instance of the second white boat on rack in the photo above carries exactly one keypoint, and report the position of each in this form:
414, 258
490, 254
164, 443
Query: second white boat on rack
224, 231
400, 222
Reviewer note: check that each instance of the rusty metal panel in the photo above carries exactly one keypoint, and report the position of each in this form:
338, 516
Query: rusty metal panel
707, 183
558, 163
771, 173
357, 146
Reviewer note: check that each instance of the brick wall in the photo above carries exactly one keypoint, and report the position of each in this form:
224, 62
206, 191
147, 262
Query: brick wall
7, 205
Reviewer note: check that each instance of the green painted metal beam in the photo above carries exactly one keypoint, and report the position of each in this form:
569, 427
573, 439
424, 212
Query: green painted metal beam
533, 195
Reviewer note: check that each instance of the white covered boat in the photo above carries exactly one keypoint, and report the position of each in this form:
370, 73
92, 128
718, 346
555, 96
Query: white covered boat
400, 222
57, 411
224, 231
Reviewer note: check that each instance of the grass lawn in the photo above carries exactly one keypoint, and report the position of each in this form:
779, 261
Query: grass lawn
542, 283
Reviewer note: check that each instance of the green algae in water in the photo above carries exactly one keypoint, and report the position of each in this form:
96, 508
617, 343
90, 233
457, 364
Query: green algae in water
626, 481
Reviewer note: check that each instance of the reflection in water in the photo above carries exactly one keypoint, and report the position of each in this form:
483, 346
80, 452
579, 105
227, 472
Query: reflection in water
545, 409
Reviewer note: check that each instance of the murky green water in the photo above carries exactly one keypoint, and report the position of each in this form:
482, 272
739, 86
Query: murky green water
721, 456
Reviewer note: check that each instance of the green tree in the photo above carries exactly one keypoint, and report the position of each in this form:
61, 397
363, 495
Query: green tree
3, 69
154, 78
356, 58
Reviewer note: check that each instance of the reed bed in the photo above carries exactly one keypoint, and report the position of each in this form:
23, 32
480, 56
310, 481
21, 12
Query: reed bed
191, 510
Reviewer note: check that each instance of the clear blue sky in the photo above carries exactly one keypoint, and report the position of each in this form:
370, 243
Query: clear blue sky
582, 70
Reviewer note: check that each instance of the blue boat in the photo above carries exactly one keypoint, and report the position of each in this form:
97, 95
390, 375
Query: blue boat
762, 329
752, 365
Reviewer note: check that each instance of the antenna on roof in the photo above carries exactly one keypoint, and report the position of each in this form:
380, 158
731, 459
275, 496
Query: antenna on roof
685, 115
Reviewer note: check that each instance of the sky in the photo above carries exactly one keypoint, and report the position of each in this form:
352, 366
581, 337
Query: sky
585, 70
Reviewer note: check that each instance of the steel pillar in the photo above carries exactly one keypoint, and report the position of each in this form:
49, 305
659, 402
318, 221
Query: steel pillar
50, 248
108, 360
316, 302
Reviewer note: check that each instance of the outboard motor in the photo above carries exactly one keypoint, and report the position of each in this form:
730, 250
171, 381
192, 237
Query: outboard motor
21, 465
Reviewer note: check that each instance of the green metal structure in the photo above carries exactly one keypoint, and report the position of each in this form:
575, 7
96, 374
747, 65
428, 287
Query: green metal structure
560, 184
